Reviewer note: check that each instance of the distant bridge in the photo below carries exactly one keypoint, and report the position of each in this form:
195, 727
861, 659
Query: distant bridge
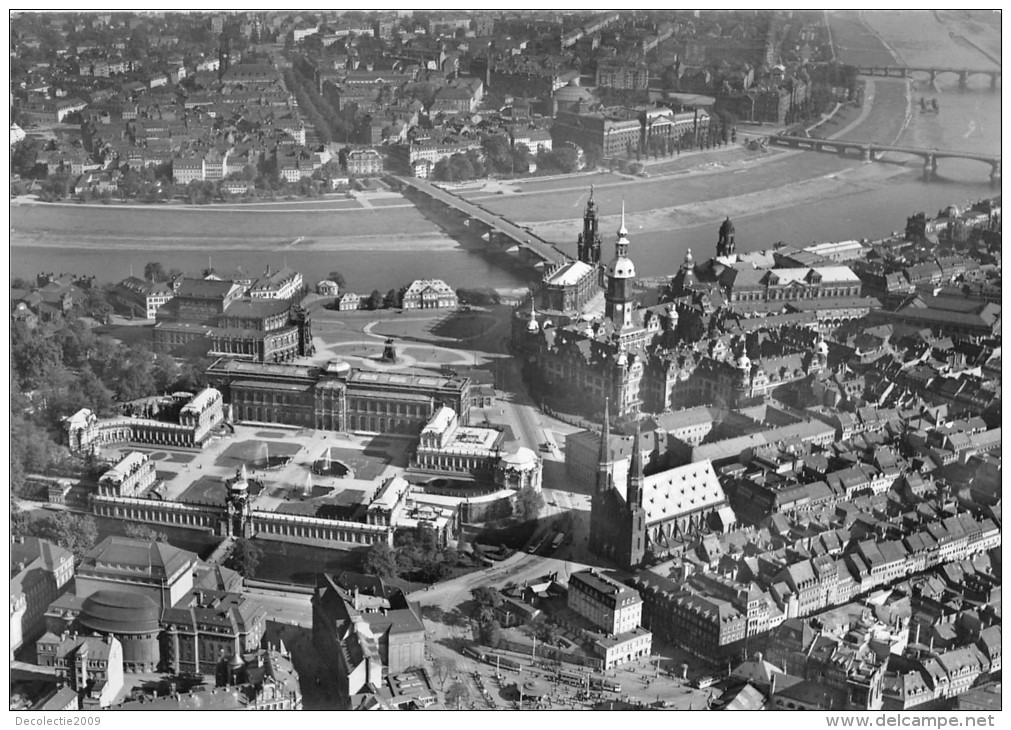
933, 71
500, 232
870, 151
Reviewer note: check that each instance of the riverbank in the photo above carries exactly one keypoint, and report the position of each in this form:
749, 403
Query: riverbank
858, 179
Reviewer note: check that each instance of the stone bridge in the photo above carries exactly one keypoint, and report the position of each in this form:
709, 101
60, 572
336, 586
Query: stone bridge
870, 151
499, 232
963, 74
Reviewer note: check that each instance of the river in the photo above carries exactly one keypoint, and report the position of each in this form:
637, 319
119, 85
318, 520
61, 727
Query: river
853, 206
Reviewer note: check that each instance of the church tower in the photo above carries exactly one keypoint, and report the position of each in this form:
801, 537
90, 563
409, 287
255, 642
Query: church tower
725, 245
589, 240
620, 277
634, 537
604, 453
601, 510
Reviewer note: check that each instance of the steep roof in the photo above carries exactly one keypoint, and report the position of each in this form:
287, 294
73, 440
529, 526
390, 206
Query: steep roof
156, 560
683, 489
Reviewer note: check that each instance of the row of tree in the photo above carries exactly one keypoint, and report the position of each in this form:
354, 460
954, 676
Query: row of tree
417, 555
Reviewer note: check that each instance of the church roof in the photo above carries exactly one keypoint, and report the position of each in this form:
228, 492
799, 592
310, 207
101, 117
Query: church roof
684, 489
569, 274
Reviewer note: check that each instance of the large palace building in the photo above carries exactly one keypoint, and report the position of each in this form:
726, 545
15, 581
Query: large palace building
222, 317
337, 397
575, 356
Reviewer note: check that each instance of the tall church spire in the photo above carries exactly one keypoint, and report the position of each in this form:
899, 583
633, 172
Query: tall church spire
636, 476
605, 432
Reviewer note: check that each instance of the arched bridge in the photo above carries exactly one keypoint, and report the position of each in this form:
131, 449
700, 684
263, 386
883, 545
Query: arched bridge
963, 74
497, 230
870, 151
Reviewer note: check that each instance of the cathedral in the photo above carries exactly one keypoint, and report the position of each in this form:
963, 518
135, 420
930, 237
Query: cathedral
652, 516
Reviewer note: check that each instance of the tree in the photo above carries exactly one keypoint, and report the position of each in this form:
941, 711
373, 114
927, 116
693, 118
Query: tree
490, 633
529, 503
456, 694
543, 630
443, 668
24, 155
391, 301
381, 560
154, 271
338, 278
375, 300
33, 355
244, 557
20, 520
140, 531
76, 533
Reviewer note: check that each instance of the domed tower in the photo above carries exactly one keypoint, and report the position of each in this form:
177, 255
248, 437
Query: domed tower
238, 506
725, 245
620, 277
532, 327
589, 240
744, 367
820, 353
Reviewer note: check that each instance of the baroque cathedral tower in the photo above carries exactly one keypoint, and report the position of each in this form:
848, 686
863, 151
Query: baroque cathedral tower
589, 240
725, 245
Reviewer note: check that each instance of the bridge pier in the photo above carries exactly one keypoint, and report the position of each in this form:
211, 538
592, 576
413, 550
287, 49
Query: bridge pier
995, 171
867, 154
929, 168
963, 80
933, 76
993, 81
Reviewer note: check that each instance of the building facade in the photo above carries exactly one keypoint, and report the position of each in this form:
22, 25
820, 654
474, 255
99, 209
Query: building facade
337, 397
609, 605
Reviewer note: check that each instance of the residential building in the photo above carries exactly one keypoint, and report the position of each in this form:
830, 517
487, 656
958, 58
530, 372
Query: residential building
429, 294
39, 572
605, 602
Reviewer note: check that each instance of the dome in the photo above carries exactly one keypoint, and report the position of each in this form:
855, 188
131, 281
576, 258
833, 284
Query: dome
119, 612
621, 268
572, 93
727, 226
521, 458
952, 211
338, 367
744, 362
821, 347
532, 325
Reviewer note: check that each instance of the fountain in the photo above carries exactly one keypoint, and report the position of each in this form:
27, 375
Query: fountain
266, 461
327, 466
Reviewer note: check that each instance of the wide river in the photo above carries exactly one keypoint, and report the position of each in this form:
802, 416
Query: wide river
796, 199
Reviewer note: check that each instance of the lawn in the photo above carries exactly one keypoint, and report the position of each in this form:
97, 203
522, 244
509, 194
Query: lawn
367, 465
205, 490
250, 452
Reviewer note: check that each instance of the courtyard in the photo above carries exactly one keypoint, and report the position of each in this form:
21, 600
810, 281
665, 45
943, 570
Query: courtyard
279, 467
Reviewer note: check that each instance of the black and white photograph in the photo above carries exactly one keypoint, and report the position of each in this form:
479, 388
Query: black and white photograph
506, 359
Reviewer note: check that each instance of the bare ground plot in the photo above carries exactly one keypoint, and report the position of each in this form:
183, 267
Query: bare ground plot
256, 228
